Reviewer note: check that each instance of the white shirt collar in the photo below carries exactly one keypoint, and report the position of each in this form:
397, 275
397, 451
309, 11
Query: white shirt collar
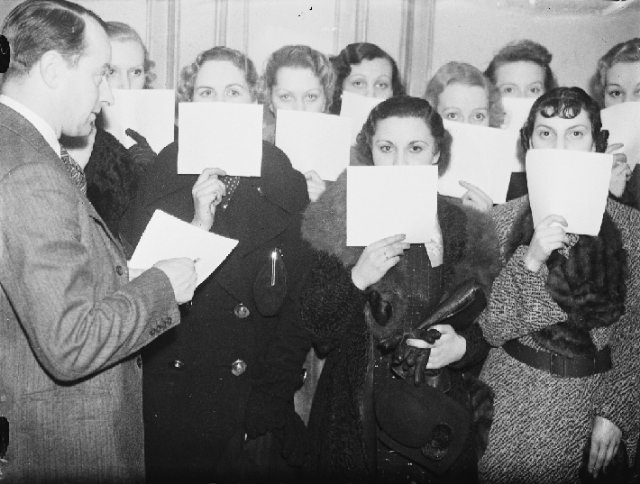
40, 124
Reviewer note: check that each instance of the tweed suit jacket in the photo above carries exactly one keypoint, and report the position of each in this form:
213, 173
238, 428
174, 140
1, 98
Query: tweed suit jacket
69, 319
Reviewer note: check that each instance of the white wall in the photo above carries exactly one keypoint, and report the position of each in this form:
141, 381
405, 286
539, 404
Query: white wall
420, 34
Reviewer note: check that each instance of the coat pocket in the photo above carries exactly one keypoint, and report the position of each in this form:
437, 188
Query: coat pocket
270, 285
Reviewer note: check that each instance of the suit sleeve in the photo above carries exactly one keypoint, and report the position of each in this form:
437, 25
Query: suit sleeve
78, 320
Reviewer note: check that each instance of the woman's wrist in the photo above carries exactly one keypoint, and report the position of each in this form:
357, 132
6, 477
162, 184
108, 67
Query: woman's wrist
202, 224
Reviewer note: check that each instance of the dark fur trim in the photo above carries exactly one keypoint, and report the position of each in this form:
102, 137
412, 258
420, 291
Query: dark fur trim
589, 285
112, 178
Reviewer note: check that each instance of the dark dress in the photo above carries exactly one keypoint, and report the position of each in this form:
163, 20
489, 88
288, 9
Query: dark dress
200, 377
342, 425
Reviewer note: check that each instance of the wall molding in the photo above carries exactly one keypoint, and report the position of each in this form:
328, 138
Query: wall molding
362, 20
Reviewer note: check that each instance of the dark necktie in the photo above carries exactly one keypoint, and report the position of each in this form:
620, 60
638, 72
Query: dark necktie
73, 169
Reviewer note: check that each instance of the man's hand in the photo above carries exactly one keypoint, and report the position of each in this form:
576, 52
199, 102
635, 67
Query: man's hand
182, 275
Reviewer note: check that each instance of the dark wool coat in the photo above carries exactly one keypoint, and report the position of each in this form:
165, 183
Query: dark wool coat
332, 310
113, 176
194, 406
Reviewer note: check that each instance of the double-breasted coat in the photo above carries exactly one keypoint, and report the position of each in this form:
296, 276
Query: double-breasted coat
198, 379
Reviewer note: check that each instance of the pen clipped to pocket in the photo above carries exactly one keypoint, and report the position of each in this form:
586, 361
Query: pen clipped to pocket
270, 286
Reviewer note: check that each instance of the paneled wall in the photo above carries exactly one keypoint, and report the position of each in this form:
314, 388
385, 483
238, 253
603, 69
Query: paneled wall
420, 34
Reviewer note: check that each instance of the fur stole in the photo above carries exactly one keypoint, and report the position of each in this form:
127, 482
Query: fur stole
589, 285
470, 246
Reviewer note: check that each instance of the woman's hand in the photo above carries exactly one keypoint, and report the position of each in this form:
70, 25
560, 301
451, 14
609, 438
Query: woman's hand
550, 234
475, 197
605, 439
207, 193
376, 259
315, 185
620, 171
447, 349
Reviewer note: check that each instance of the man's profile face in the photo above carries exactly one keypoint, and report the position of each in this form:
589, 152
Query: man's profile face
85, 89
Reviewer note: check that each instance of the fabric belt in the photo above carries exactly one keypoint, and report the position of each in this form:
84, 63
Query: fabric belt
558, 365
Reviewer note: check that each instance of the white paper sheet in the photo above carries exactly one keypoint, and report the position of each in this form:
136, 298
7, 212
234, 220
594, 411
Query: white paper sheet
150, 112
388, 200
314, 141
167, 237
357, 108
623, 122
220, 135
573, 184
517, 111
481, 156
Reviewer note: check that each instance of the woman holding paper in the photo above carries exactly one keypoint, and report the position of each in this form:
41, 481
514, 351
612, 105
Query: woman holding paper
298, 78
365, 69
462, 94
383, 311
562, 318
114, 171
617, 80
228, 374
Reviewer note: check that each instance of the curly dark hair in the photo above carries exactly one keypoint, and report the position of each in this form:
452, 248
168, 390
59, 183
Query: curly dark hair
354, 54
188, 74
527, 51
567, 103
628, 51
405, 107
463, 73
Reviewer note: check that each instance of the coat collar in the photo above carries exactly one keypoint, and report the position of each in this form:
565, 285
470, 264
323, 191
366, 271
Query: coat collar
278, 181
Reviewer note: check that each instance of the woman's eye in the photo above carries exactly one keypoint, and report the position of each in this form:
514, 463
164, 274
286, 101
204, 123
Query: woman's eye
536, 90
383, 85
614, 93
205, 92
451, 115
111, 72
312, 97
415, 149
577, 134
285, 97
544, 133
385, 148
507, 90
233, 92
479, 116
357, 84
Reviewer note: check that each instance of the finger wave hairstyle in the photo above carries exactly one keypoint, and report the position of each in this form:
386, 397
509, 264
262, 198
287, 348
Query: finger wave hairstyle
219, 53
405, 107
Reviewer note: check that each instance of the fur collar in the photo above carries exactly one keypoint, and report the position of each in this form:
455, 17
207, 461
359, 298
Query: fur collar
470, 241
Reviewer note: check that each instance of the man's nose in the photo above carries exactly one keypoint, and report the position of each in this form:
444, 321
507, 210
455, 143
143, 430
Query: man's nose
106, 96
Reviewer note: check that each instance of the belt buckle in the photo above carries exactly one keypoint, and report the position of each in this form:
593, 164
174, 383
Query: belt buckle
558, 365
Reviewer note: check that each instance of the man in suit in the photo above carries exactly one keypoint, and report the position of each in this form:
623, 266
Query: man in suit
70, 398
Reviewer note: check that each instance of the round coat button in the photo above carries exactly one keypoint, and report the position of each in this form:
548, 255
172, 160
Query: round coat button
119, 270
177, 364
241, 311
238, 367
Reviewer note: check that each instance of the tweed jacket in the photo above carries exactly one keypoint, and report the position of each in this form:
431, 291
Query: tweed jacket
194, 400
562, 408
69, 319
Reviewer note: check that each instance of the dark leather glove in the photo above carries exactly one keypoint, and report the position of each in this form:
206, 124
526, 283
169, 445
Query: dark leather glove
459, 310
141, 153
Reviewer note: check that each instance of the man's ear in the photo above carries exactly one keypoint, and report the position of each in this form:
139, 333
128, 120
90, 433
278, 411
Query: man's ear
51, 66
